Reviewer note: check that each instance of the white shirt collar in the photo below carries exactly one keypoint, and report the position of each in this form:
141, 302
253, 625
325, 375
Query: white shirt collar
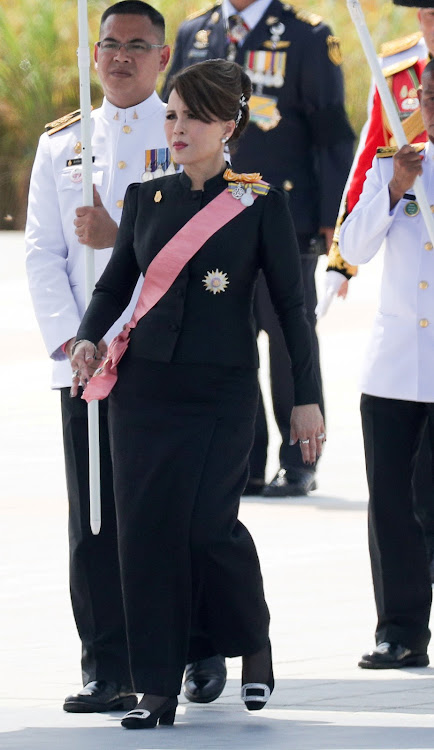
251, 15
140, 112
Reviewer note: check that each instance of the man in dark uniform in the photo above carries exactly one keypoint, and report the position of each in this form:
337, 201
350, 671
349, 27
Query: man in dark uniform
299, 138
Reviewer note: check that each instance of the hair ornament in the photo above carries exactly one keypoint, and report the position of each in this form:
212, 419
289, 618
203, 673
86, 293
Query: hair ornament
243, 103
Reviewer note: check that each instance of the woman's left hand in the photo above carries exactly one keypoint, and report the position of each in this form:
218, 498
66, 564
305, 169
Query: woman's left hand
307, 426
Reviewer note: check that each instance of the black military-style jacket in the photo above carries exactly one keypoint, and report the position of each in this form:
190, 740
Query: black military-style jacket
191, 323
309, 150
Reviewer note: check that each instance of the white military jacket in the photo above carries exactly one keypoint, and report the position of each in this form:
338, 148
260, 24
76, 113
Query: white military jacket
126, 144
400, 358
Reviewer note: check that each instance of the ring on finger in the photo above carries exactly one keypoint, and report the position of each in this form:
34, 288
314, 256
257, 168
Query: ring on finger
76, 373
305, 442
321, 436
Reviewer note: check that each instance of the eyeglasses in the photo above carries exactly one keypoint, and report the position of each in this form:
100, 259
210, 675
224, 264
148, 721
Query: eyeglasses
131, 48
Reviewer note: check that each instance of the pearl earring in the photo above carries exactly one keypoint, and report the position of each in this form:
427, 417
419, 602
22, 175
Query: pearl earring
225, 140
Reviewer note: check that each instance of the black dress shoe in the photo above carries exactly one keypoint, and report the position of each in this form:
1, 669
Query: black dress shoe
290, 483
100, 695
205, 679
141, 718
256, 694
393, 656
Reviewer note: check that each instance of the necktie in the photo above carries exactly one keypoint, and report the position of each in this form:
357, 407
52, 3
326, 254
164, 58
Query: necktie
237, 32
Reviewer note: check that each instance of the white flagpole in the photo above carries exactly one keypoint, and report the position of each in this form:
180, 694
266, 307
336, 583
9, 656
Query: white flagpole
358, 18
86, 154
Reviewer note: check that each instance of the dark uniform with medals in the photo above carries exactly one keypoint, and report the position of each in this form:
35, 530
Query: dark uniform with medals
299, 138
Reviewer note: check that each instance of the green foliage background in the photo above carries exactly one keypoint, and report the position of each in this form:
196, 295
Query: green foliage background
39, 74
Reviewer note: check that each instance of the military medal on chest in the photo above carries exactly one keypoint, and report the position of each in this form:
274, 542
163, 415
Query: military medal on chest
276, 28
157, 164
404, 85
242, 193
266, 69
199, 51
201, 39
256, 68
276, 32
243, 186
200, 48
409, 102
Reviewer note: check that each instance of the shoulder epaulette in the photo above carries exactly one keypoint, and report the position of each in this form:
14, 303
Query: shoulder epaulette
63, 122
400, 45
392, 70
419, 146
383, 152
313, 19
203, 11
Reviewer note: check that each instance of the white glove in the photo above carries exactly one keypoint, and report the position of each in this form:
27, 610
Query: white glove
332, 283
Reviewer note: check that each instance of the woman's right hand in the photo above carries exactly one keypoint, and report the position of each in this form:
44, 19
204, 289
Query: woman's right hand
307, 426
85, 359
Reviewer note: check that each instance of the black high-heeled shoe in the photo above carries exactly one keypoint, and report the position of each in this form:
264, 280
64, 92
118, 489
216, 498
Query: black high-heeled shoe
141, 718
256, 694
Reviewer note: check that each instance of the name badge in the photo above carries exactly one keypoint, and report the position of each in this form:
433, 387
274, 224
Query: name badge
411, 208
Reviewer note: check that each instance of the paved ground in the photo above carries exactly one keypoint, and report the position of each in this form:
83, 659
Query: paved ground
314, 559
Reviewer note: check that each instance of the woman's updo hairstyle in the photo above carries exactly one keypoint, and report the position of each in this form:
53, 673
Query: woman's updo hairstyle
215, 90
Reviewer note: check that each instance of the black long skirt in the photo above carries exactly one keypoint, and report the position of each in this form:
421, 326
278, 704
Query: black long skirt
181, 436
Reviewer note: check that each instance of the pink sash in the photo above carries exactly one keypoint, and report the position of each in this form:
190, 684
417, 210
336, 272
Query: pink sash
160, 275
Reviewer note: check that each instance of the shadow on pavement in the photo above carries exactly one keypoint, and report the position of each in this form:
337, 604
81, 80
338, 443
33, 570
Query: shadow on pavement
368, 692
322, 502
259, 734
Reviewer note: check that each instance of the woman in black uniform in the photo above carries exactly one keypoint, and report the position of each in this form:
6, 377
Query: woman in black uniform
182, 412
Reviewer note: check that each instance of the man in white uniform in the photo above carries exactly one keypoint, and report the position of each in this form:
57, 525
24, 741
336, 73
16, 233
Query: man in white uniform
398, 388
128, 144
